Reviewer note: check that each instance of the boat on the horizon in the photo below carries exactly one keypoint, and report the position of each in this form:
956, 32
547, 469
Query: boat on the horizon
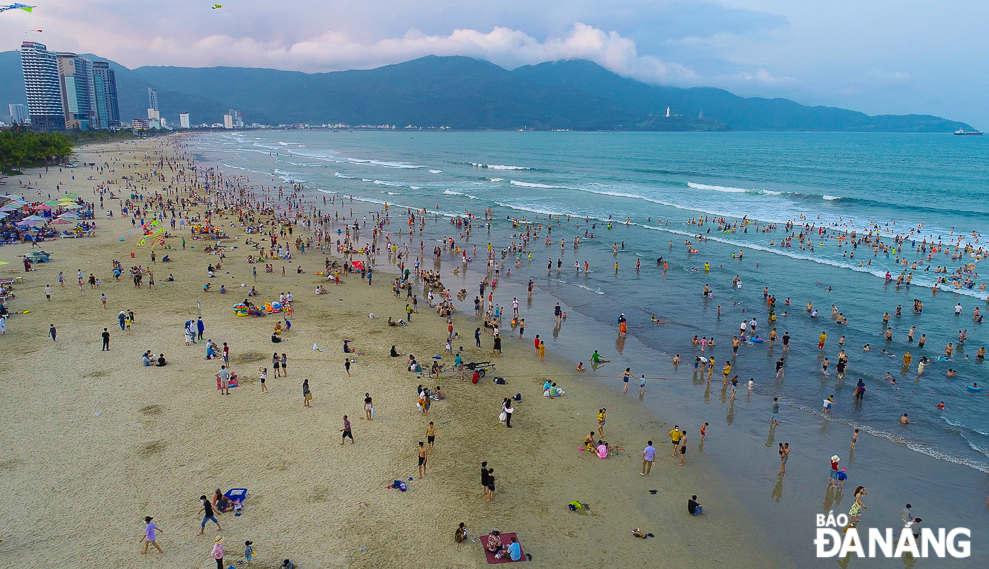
963, 132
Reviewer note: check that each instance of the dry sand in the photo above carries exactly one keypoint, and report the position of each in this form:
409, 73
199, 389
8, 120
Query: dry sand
94, 441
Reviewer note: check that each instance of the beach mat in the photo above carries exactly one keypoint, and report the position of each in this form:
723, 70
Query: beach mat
506, 540
236, 494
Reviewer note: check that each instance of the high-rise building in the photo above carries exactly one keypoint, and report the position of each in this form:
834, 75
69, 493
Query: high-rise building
153, 112
236, 118
228, 121
183, 120
75, 77
41, 86
105, 97
18, 114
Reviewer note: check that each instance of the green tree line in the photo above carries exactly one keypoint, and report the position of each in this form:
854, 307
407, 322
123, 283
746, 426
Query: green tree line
20, 147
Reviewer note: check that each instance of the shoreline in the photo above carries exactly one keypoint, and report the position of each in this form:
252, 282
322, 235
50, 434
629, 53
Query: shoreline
160, 439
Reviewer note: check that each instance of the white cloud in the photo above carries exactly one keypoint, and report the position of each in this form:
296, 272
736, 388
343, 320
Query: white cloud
764, 77
504, 46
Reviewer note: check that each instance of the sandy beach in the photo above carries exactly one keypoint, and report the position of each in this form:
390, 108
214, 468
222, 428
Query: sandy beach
95, 441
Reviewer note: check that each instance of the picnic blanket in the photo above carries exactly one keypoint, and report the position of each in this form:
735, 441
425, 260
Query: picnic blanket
506, 540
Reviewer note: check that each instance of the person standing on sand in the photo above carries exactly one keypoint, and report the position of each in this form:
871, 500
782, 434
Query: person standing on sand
627, 374
306, 393
48, 292
345, 431
423, 455
683, 446
602, 416
200, 328
774, 419
276, 363
784, 452
509, 410
217, 552
675, 439
642, 385
150, 536
368, 407
52, 332
264, 377
284, 361
106, 340
648, 457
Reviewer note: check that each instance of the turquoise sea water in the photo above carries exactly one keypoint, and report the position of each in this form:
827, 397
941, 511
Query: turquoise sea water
932, 184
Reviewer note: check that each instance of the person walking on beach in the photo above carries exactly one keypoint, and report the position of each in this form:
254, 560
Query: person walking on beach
774, 419
368, 407
642, 385
627, 374
52, 333
103, 300
345, 432
306, 393
784, 452
648, 457
208, 515
48, 292
106, 340
423, 455
150, 536
602, 416
431, 435
217, 552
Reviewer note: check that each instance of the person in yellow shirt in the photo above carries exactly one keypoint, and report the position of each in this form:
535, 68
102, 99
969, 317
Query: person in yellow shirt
675, 438
820, 343
726, 370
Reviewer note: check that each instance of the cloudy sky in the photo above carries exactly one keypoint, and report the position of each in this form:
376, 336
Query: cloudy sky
877, 56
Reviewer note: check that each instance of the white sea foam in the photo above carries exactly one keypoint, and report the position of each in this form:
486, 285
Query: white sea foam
435, 171
415, 187
383, 164
387, 183
496, 179
727, 189
344, 176
533, 185
498, 166
831, 198
452, 193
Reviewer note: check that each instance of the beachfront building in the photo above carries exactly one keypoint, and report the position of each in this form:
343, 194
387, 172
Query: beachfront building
41, 86
106, 113
153, 112
236, 119
138, 123
18, 114
183, 120
75, 78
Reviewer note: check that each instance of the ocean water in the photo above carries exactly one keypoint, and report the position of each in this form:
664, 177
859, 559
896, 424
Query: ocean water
649, 186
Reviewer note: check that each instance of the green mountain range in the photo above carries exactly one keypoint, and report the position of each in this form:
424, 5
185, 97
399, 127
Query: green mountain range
465, 93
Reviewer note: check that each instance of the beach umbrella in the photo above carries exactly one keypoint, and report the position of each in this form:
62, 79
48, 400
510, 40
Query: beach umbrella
34, 218
3, 214
9, 208
51, 203
27, 223
73, 206
44, 207
68, 215
13, 197
61, 222
73, 194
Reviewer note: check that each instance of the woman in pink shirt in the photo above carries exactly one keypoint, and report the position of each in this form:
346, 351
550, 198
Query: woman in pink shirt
217, 552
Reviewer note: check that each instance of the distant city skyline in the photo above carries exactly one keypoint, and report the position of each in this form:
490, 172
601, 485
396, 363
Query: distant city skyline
876, 57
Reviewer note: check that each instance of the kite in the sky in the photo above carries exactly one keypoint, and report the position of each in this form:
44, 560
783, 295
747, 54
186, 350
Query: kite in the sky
24, 7
29, 31
217, 6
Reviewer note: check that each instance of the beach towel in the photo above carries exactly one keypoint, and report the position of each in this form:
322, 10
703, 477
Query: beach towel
506, 540
236, 494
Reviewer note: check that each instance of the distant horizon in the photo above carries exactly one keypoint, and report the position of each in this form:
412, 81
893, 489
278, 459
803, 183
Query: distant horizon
97, 56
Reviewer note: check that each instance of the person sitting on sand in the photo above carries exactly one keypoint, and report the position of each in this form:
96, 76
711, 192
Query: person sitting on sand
438, 394
603, 449
347, 349
460, 535
580, 367
206, 287
321, 290
275, 339
146, 358
596, 358
221, 503
287, 564
589, 442
278, 328
394, 353
392, 322
161, 361
493, 544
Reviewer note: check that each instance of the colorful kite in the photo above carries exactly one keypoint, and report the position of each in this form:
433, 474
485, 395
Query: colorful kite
29, 31
24, 7
217, 6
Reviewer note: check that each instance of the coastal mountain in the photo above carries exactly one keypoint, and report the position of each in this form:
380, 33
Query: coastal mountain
465, 93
